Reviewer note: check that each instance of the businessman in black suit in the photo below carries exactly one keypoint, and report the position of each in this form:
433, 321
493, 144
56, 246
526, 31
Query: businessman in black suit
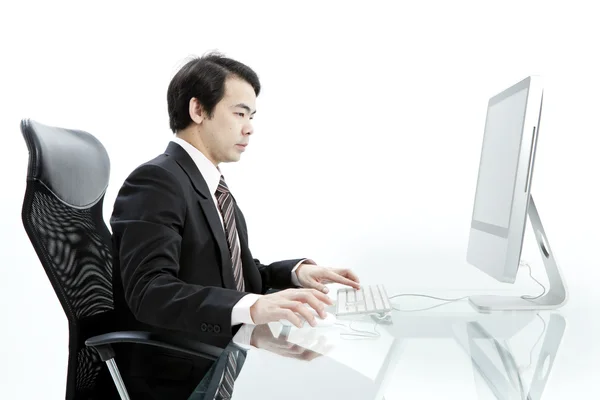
181, 259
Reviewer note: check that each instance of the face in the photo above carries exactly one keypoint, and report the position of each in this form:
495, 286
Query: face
224, 137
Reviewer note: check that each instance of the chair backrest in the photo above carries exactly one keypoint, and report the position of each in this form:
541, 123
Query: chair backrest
67, 177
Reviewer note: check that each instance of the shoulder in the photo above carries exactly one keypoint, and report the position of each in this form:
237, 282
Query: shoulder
162, 168
159, 177
151, 192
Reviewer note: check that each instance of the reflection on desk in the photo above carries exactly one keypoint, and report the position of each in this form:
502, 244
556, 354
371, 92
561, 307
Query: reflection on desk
273, 361
496, 365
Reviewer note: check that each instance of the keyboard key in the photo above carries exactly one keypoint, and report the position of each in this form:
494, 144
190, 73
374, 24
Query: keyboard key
360, 301
341, 301
386, 299
367, 300
378, 300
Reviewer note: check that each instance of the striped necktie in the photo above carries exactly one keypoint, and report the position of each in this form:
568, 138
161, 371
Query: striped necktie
230, 373
225, 202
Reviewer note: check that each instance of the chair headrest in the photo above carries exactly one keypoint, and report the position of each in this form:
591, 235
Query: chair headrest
72, 164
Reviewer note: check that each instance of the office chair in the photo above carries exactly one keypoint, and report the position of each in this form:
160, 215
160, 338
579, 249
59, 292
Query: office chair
67, 177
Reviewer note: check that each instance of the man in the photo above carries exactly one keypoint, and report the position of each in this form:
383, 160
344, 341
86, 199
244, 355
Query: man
181, 259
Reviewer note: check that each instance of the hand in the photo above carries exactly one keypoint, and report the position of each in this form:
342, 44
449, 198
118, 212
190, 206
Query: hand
285, 304
315, 277
263, 338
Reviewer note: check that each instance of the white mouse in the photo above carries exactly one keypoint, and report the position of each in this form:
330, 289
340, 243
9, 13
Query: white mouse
329, 320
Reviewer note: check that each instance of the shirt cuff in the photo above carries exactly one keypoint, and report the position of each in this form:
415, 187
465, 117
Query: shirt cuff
243, 338
241, 311
295, 281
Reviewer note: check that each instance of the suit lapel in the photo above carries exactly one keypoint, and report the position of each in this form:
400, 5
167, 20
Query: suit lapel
208, 207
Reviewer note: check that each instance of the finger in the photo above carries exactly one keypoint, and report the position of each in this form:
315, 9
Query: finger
285, 312
298, 307
305, 313
282, 345
295, 350
319, 286
314, 302
321, 296
309, 355
334, 277
348, 274
300, 295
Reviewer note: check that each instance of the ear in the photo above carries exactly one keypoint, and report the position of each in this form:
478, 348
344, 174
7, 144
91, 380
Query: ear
196, 112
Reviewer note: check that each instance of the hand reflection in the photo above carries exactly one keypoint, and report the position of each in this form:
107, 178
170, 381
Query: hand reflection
263, 338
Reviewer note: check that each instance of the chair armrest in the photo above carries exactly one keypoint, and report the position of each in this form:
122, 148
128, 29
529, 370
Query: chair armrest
102, 344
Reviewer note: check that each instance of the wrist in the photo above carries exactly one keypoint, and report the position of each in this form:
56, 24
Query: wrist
301, 266
254, 310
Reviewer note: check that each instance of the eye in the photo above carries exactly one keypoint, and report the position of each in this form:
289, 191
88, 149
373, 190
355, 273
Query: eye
241, 114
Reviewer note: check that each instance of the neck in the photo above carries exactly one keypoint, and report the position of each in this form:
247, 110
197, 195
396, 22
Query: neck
194, 139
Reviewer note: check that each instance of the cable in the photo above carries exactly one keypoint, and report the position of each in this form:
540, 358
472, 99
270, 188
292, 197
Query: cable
426, 295
526, 264
446, 301
362, 333
534, 345
375, 334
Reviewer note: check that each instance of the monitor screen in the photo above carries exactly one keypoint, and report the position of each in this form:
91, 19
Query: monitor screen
498, 165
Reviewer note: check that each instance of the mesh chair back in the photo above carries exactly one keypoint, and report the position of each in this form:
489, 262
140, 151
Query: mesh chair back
67, 177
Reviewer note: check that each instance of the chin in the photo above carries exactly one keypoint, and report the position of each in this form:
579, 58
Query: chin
234, 158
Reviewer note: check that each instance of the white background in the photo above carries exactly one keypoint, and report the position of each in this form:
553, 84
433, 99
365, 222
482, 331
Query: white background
367, 141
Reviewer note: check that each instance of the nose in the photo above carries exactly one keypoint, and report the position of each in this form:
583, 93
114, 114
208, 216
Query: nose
248, 129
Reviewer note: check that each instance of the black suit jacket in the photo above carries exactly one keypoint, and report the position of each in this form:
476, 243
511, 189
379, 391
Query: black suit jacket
172, 270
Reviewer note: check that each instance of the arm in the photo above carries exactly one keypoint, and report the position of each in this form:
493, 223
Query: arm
147, 223
241, 311
278, 275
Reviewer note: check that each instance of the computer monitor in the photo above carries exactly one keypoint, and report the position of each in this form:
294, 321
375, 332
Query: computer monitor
503, 198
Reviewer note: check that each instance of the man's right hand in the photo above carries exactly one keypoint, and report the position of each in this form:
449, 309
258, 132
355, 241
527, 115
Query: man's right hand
287, 303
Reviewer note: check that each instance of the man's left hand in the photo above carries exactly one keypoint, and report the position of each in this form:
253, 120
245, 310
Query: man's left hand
315, 277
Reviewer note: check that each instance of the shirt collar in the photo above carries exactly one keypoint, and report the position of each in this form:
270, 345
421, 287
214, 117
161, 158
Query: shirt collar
210, 173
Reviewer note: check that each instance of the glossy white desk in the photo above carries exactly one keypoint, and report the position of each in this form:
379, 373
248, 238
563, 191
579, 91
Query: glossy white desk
449, 352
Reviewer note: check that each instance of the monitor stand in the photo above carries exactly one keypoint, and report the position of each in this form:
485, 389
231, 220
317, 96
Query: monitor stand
556, 295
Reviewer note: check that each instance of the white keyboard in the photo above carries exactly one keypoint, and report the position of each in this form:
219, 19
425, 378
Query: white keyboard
366, 300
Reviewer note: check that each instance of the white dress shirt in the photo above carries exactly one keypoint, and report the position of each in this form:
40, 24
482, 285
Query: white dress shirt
212, 175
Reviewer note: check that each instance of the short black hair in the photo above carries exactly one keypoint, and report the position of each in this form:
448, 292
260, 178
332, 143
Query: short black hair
203, 78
